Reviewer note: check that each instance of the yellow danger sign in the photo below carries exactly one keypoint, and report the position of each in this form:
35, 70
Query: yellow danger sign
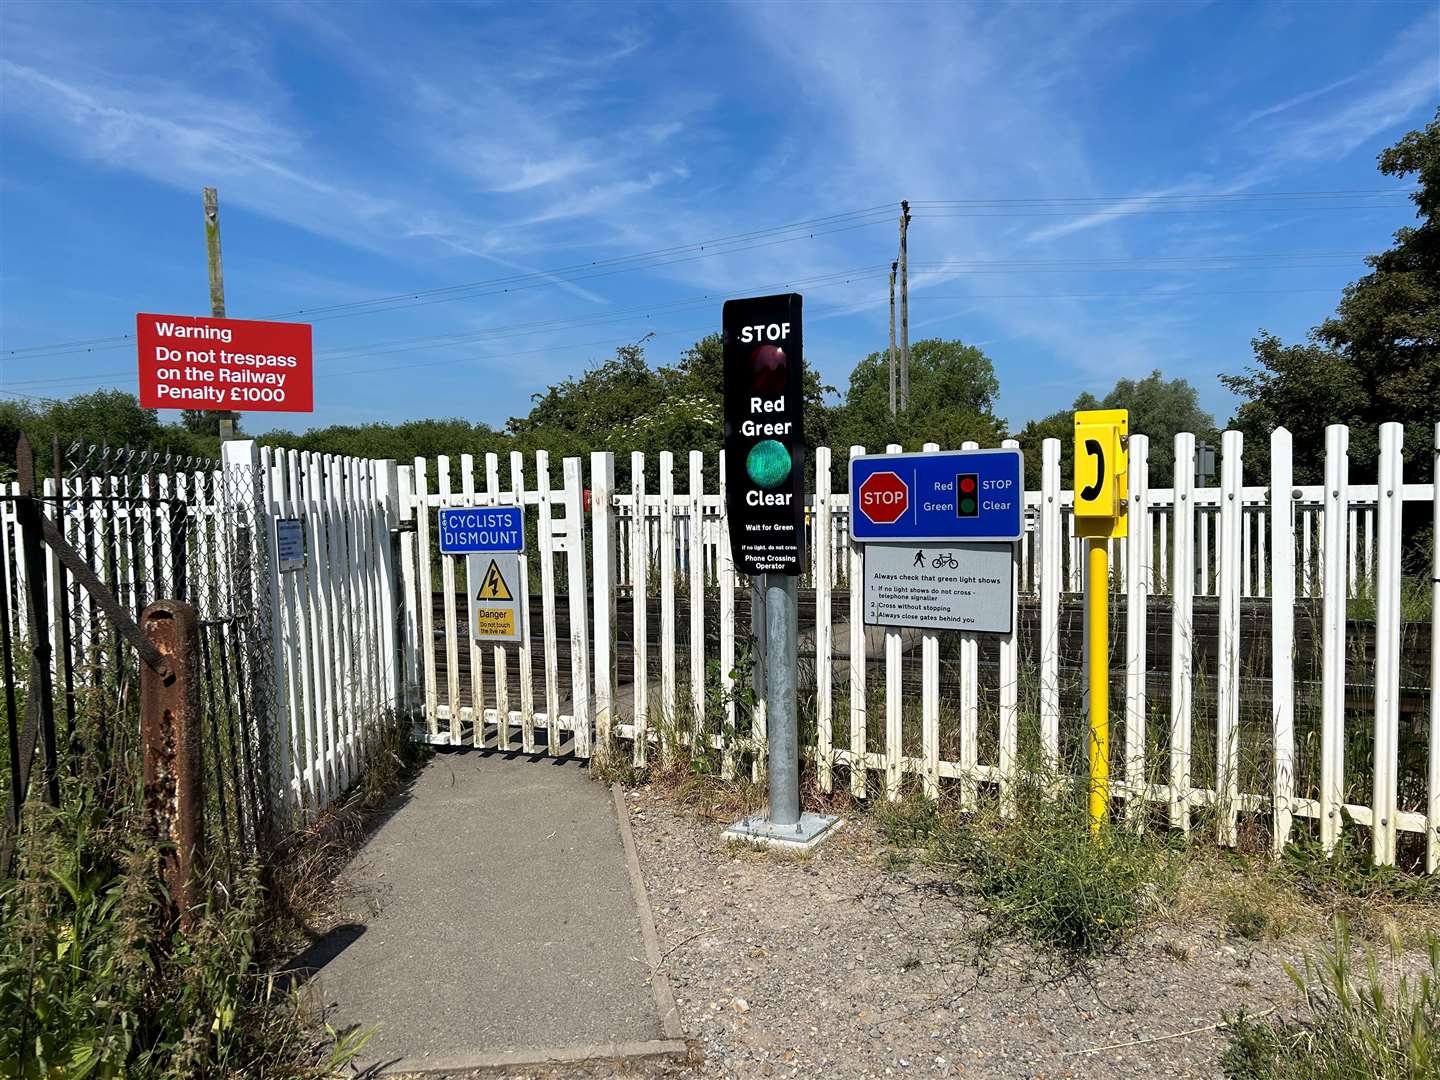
494, 622
1102, 467
494, 587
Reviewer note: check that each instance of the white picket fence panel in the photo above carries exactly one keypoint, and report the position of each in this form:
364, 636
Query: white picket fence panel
1230, 548
554, 528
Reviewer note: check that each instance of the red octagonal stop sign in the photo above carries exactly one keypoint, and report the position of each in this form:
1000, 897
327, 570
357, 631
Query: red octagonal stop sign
884, 497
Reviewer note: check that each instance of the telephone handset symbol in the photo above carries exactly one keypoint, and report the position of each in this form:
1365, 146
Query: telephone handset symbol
1092, 491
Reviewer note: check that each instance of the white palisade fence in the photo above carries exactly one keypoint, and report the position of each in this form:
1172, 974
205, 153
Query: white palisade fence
1265, 674
1257, 663
333, 623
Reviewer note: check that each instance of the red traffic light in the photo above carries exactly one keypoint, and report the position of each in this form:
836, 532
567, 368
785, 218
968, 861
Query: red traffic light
770, 369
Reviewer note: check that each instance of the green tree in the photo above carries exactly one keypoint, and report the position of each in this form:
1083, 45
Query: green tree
1159, 408
207, 421
404, 441
104, 417
952, 400
1058, 425
594, 406
1377, 359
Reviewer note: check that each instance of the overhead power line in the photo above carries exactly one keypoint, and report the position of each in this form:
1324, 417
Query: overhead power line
1166, 263
807, 229
1234, 196
817, 281
660, 257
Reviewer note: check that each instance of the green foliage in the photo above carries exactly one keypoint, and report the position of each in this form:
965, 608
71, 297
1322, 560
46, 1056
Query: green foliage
404, 441
952, 398
207, 421
594, 405
1349, 871
1357, 1025
1159, 408
1046, 877
104, 416
94, 983
1251, 914
912, 821
1377, 359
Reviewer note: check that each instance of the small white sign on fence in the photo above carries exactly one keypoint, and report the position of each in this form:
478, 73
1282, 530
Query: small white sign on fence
494, 586
940, 586
290, 543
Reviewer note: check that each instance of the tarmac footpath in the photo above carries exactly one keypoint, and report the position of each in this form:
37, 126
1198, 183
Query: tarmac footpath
497, 919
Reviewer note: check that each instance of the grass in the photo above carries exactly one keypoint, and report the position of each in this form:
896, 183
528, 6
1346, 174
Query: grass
1042, 875
1357, 1025
96, 980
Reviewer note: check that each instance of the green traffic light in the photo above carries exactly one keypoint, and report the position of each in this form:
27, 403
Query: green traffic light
768, 463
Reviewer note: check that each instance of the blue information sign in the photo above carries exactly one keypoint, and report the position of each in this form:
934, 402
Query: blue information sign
976, 495
482, 528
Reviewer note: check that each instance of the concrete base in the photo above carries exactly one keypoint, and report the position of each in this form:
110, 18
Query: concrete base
760, 831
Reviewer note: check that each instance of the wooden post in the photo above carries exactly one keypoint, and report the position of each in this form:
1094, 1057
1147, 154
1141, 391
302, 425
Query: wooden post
1333, 646
1137, 601
211, 200
1182, 626
859, 764
1282, 631
1227, 588
893, 265
904, 310
173, 763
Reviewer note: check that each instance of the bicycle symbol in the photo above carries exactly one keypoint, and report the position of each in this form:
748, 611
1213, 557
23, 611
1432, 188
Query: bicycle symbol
945, 562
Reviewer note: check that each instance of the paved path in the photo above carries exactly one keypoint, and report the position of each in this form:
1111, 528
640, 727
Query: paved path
493, 919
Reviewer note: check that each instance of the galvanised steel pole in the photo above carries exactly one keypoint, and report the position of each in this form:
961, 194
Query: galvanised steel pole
781, 636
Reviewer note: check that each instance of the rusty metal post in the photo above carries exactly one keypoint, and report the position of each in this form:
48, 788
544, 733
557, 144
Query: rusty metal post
170, 736
40, 719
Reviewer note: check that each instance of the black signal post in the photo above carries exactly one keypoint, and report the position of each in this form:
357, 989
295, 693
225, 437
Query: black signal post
764, 433
765, 493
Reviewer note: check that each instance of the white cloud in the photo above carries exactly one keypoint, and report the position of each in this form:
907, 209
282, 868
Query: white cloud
1362, 118
1104, 216
1298, 99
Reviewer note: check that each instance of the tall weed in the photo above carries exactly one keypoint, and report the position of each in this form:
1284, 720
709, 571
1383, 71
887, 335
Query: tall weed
1357, 1024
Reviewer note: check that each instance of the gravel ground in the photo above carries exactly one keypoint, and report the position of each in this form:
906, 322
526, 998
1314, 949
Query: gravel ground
836, 966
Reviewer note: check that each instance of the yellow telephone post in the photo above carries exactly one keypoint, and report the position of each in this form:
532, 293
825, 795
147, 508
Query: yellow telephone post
1102, 464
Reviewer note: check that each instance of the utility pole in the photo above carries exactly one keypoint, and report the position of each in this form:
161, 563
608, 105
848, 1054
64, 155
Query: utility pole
892, 338
904, 310
217, 283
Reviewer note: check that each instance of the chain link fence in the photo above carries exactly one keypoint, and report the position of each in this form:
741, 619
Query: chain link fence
131, 527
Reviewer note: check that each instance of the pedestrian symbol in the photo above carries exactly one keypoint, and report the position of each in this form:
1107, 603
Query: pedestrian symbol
494, 587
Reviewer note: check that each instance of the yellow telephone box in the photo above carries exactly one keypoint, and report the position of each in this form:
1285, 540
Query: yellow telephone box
1102, 468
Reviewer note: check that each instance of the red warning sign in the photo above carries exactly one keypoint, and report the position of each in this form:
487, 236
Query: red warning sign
884, 497
194, 362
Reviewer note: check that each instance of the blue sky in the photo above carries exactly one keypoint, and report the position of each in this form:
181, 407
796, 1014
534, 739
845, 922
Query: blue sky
1099, 189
